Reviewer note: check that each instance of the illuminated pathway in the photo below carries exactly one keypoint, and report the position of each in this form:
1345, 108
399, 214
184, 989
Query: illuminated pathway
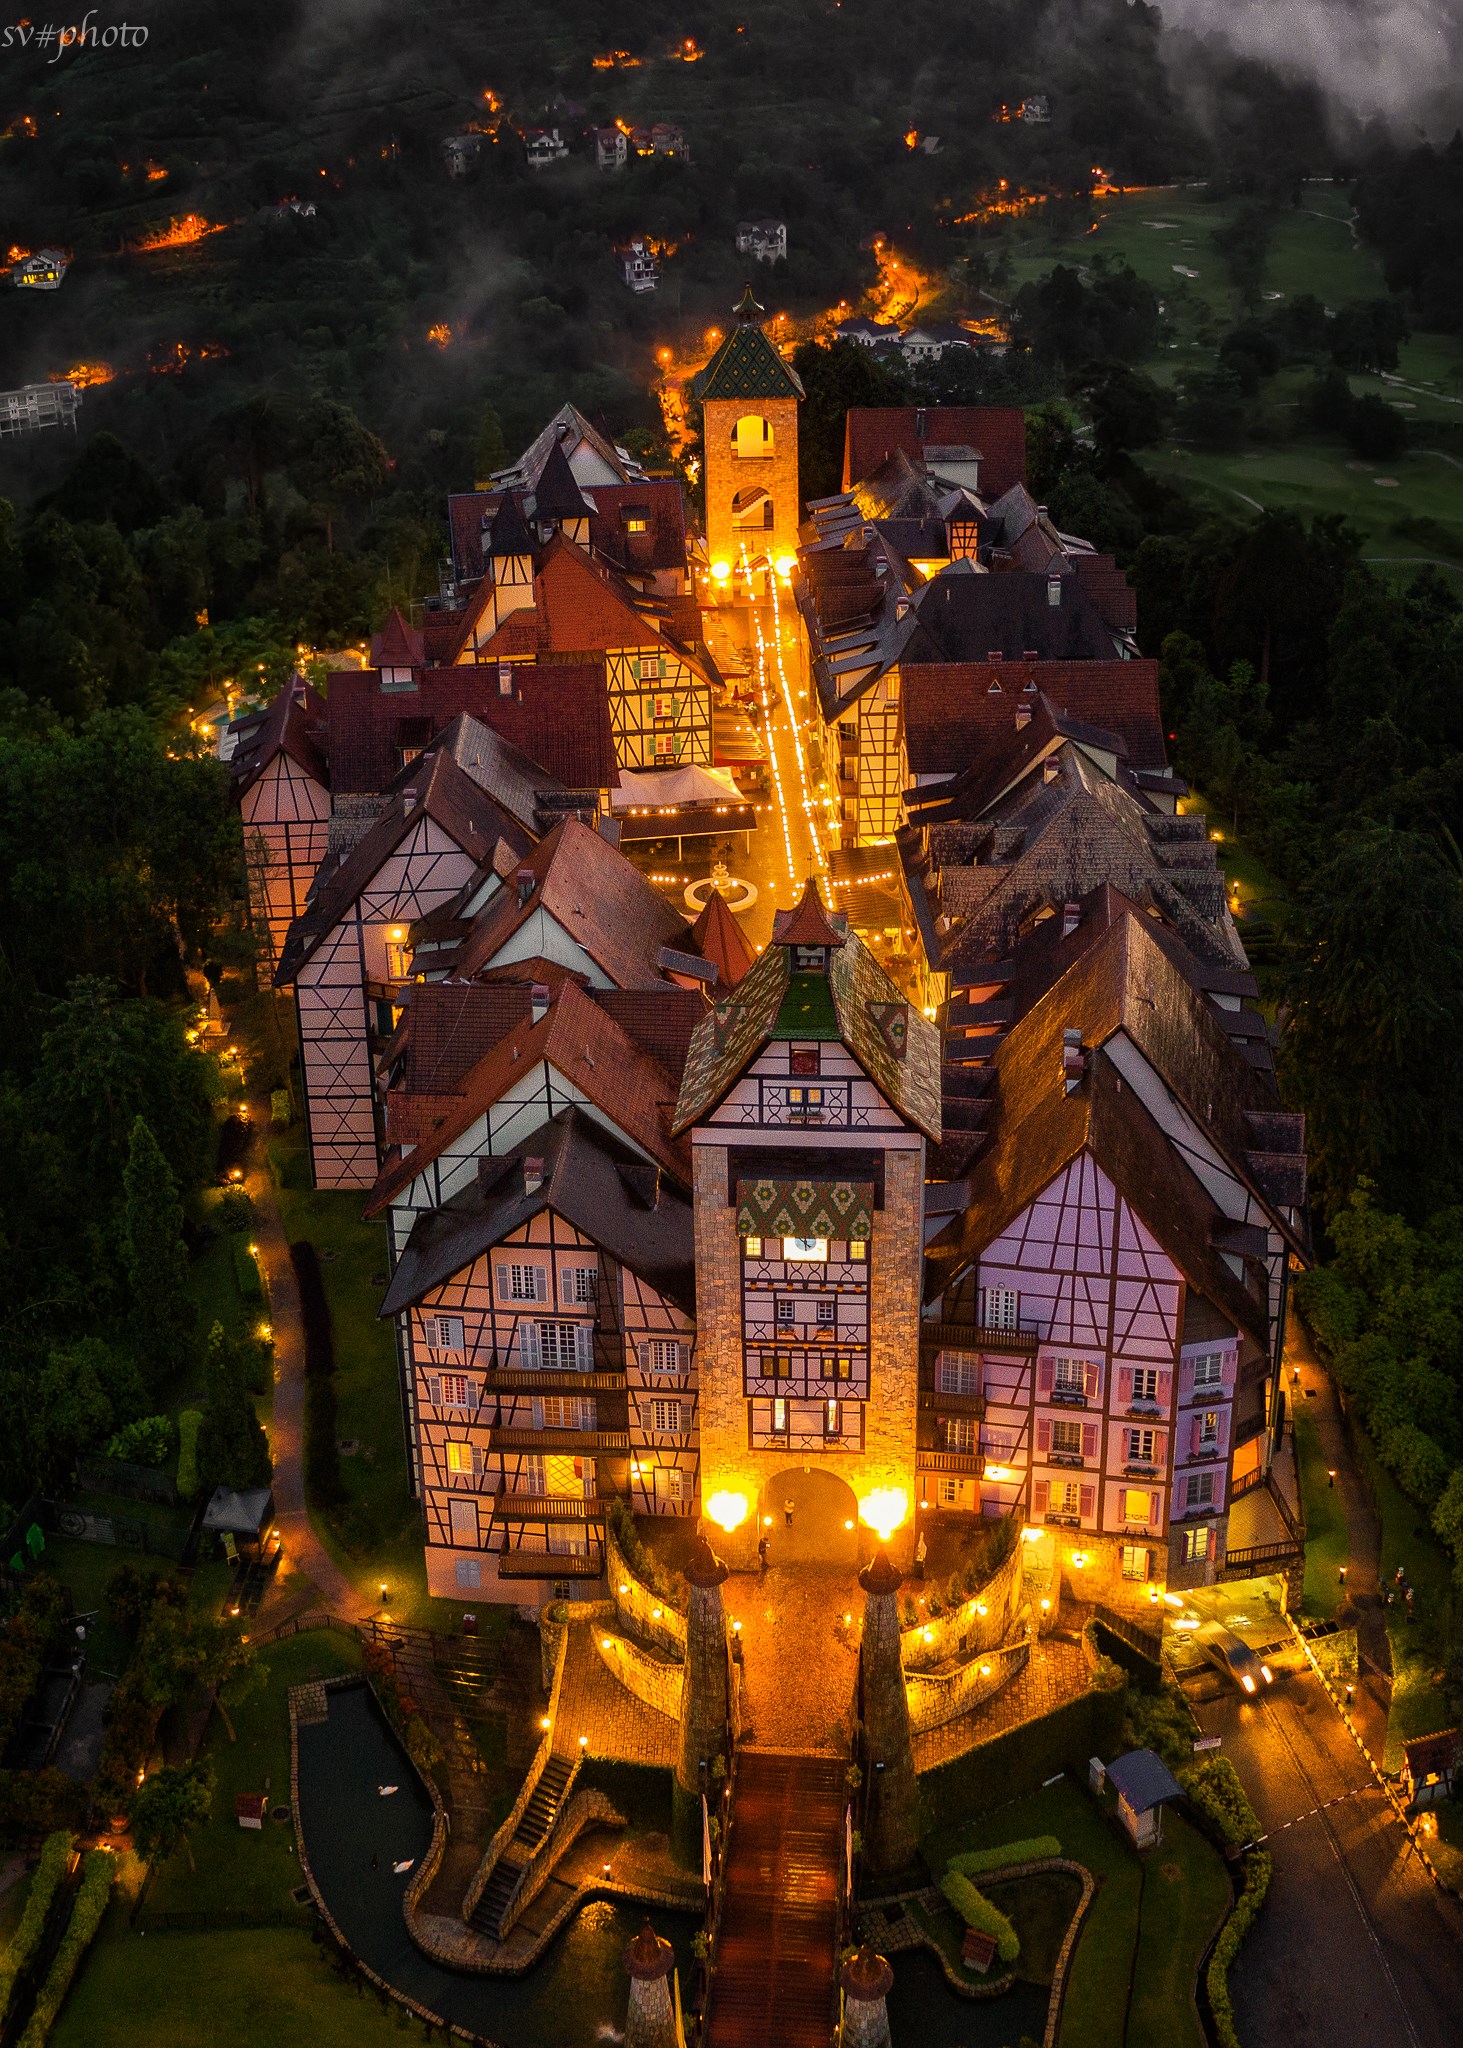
778, 668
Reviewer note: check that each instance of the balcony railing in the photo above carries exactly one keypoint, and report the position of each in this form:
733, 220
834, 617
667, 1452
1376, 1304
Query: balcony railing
786, 1104
951, 1404
976, 1337
968, 1464
523, 1563
517, 1380
546, 1507
566, 1441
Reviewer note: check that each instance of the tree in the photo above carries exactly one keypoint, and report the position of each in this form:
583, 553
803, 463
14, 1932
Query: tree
233, 1450
1244, 243
1211, 409
336, 461
489, 450
156, 1256
67, 1411
168, 1807
1375, 429
836, 378
199, 1648
1127, 409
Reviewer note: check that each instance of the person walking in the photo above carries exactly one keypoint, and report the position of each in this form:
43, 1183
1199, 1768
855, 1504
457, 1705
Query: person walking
762, 1549
921, 1552
787, 1508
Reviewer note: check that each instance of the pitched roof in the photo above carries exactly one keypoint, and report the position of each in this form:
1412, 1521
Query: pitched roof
662, 545
773, 1002
448, 1026
963, 616
661, 1021
582, 443
718, 938
397, 645
598, 897
997, 433
1143, 1779
291, 725
588, 1180
585, 1045
808, 924
557, 721
556, 495
508, 535
435, 788
953, 709
1125, 984
746, 365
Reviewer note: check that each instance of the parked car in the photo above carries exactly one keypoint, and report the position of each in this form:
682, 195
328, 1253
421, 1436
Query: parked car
1232, 1656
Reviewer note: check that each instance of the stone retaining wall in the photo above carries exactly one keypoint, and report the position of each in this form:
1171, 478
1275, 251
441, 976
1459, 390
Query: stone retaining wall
587, 1809
936, 1697
640, 1609
542, 1754
653, 1683
962, 1630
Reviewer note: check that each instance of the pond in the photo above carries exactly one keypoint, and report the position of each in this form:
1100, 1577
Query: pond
923, 2009
576, 1997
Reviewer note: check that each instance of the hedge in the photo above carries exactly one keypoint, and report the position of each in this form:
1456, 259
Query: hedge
1257, 1883
55, 1862
971, 1862
1021, 1758
246, 1271
323, 1483
978, 1912
24, 1647
39, 1802
314, 1310
1219, 1799
189, 1424
281, 1110
98, 1868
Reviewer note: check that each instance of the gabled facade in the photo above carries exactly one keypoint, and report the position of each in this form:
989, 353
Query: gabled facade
281, 783
546, 1320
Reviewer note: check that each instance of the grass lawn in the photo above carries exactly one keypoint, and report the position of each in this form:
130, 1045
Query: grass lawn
1418, 1703
226, 1990
1186, 1894
1446, 1847
1131, 1979
236, 1868
1040, 1909
1326, 1541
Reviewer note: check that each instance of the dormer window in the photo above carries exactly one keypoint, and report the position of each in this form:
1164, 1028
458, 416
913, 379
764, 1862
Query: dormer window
810, 959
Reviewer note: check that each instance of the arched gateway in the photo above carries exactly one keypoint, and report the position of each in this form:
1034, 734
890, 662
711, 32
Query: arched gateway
824, 1525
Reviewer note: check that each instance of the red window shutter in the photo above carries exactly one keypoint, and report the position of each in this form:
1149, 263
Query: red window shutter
1125, 1386
1160, 1447
1155, 1508
1045, 1376
1194, 1429
1043, 1433
1229, 1369
1091, 1375
1089, 1499
1165, 1387
1211, 1539
1186, 1377
1038, 1497
1089, 1439
1223, 1437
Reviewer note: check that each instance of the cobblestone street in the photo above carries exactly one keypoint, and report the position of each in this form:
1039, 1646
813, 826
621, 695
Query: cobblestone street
800, 1662
593, 1702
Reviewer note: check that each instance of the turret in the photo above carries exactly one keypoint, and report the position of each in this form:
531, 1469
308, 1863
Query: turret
890, 1836
651, 2022
867, 1979
704, 1702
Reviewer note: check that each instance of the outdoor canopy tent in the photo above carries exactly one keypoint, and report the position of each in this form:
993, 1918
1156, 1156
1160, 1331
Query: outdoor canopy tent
655, 788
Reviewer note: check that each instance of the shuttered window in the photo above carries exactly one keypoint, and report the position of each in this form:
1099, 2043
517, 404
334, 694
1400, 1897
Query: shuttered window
580, 1284
665, 1417
444, 1333
455, 1390
523, 1283
660, 1354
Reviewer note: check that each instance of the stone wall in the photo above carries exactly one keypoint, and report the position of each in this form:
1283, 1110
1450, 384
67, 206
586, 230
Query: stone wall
936, 1697
726, 474
963, 1630
653, 1683
638, 1608
895, 1266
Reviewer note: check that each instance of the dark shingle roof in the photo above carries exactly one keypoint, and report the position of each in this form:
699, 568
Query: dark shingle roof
556, 494
557, 719
587, 1180
952, 710
967, 617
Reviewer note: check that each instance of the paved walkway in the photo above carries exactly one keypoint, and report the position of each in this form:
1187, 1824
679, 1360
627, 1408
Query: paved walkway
593, 1702
1363, 1606
1055, 1672
304, 1554
800, 1661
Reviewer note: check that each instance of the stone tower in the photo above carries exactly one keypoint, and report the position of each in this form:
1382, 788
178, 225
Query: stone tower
867, 1978
704, 1704
749, 407
891, 1834
651, 2022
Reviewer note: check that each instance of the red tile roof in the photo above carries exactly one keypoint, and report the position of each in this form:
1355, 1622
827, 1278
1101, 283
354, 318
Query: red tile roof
996, 432
660, 1021
808, 924
581, 1040
951, 710
397, 645
559, 716
719, 938
661, 546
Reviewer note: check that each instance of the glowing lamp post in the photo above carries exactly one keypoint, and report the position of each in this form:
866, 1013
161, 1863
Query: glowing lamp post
883, 1510
727, 1510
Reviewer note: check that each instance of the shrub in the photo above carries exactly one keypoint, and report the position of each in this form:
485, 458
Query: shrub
1257, 1883
314, 1310
246, 1271
97, 1871
422, 1746
281, 1111
147, 1442
234, 1210
1219, 1799
52, 1868
138, 1701
189, 1424
971, 1862
978, 1912
1332, 1310
1020, 1758
36, 1802
23, 1649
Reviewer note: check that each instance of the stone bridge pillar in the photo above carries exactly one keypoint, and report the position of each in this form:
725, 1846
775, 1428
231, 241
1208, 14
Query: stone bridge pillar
652, 2018
867, 1978
890, 1836
704, 1702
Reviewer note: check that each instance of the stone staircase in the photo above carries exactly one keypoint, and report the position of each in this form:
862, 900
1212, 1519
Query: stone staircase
542, 1810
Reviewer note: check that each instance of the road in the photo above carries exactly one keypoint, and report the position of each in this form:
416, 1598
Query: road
1355, 1943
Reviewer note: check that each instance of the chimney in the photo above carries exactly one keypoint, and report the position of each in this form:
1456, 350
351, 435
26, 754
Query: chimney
525, 885
1071, 918
1041, 512
533, 1176
538, 1002
1074, 1060
919, 422
994, 654
1053, 590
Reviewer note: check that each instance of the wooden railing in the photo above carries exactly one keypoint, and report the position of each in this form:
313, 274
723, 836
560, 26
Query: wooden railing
509, 1827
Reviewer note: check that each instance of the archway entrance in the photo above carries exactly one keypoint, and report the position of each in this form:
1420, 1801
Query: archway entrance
822, 1525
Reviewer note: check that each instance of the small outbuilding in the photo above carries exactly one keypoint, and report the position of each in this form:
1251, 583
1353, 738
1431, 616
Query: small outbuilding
244, 1521
1430, 1767
1144, 1784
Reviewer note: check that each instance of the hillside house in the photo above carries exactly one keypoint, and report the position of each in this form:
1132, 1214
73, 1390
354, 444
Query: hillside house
544, 146
765, 241
639, 264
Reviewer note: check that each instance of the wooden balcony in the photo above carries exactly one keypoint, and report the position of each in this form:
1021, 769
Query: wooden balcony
965, 1464
516, 1380
560, 1442
526, 1563
546, 1507
976, 1337
933, 1401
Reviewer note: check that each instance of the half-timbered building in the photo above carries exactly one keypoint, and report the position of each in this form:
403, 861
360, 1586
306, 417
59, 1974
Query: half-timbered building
281, 783
547, 1311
